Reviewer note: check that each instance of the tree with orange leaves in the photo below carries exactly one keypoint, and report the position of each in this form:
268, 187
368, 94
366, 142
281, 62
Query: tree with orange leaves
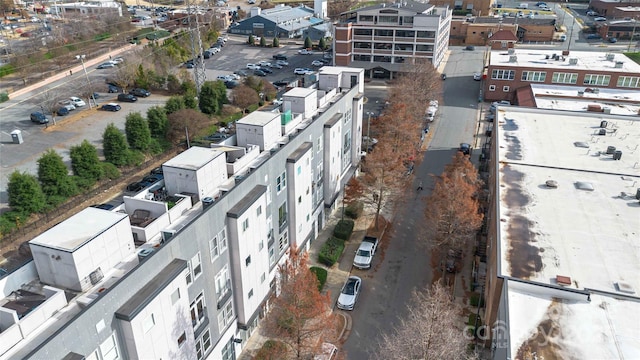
300, 316
453, 212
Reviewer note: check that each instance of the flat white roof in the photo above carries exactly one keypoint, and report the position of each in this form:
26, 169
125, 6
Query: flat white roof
553, 326
78, 229
628, 8
339, 69
193, 158
259, 118
620, 102
300, 92
587, 60
589, 236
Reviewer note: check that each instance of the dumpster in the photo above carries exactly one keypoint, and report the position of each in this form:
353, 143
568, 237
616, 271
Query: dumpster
16, 136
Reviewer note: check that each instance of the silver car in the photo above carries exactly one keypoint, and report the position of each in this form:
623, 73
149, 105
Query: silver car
349, 294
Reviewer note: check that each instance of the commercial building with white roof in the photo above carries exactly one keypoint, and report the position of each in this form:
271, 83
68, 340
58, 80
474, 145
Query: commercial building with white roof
515, 69
563, 228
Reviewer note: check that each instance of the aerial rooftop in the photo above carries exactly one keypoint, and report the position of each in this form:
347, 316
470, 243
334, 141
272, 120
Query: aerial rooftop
587, 60
560, 97
193, 159
587, 227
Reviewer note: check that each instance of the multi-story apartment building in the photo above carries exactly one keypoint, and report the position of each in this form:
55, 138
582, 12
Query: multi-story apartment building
562, 232
386, 38
511, 70
474, 7
168, 276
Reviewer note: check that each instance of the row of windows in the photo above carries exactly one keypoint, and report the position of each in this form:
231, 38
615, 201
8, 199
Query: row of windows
566, 78
398, 33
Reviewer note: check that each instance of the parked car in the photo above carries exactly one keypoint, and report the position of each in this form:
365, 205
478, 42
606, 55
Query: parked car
152, 179
264, 63
469, 47
67, 104
259, 72
266, 70
139, 92
494, 104
253, 66
157, 171
282, 62
217, 136
111, 107
275, 66
365, 252
477, 76
592, 13
465, 148
127, 98
106, 65
114, 89
277, 102
317, 63
594, 36
279, 57
230, 84
280, 83
241, 73
600, 18
302, 71
613, 40
62, 111
39, 118
304, 52
135, 186
77, 102
349, 293
103, 206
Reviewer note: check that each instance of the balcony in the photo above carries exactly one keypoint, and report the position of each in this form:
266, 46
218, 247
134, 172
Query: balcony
381, 52
361, 37
361, 51
223, 295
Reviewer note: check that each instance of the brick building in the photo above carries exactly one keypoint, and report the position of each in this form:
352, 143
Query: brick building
476, 31
475, 7
508, 71
615, 8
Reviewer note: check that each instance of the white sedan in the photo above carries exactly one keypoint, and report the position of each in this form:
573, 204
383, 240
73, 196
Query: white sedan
77, 102
317, 63
304, 52
477, 76
349, 294
302, 71
253, 66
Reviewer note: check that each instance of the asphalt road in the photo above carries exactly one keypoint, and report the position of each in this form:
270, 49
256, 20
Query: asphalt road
404, 264
88, 124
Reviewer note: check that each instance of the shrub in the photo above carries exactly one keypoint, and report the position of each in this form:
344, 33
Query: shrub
331, 251
7, 69
354, 210
271, 349
343, 229
252, 108
4, 97
110, 171
321, 274
11, 220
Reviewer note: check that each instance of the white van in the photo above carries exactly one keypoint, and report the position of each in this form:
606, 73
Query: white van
523, 6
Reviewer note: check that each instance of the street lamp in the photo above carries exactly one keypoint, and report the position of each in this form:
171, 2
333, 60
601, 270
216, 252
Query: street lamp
369, 113
81, 58
633, 33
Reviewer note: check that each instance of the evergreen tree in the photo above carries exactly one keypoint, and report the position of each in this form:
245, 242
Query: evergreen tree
85, 162
307, 43
322, 44
251, 40
158, 121
137, 131
54, 178
25, 193
115, 146
276, 42
174, 104
208, 101
263, 42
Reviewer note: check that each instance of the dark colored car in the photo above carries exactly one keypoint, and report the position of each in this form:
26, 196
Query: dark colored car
470, 48
266, 70
444, 76
139, 92
259, 73
231, 84
157, 171
135, 187
62, 111
39, 118
594, 36
114, 89
281, 83
465, 148
613, 40
110, 107
216, 137
151, 179
103, 206
127, 98
279, 57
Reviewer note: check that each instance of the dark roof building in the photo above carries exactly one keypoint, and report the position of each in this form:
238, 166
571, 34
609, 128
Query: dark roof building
281, 21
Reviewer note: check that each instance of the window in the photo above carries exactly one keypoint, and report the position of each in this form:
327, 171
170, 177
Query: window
299, 170
203, 344
358, 57
259, 211
197, 310
260, 245
299, 199
196, 265
262, 278
596, 79
564, 78
175, 296
245, 225
388, 19
283, 241
228, 351
498, 74
384, 32
629, 81
250, 294
347, 143
108, 349
492, 88
222, 282
366, 32
505, 88
247, 261
218, 244
148, 323
319, 144
534, 76
272, 256
366, 18
281, 182
282, 214
182, 339
426, 34
225, 316
188, 276
361, 45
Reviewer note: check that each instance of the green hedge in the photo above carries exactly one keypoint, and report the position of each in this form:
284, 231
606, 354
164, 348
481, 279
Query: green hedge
253, 108
331, 251
354, 210
269, 349
321, 274
7, 69
343, 229
4, 97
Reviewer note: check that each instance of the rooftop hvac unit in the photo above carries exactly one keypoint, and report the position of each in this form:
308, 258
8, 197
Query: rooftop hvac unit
573, 61
606, 110
511, 51
619, 64
610, 57
513, 58
167, 234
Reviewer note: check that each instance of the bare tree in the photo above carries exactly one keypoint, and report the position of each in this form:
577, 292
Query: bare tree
336, 7
189, 120
453, 216
300, 316
428, 331
49, 101
244, 96
418, 84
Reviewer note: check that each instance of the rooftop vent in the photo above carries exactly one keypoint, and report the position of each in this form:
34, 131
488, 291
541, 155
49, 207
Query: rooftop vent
619, 64
583, 185
611, 150
617, 155
573, 61
511, 51
602, 132
638, 194
563, 280
610, 57
513, 58
581, 144
625, 287
603, 124
551, 184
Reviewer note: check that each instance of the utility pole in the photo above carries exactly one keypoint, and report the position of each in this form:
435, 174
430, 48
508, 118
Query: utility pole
81, 58
633, 33
199, 74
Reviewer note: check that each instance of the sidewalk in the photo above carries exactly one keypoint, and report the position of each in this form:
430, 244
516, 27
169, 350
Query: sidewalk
336, 275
